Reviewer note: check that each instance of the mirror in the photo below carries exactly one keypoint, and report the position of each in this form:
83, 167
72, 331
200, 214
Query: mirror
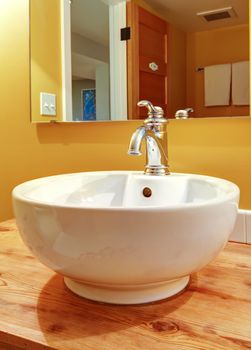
82, 71
90, 60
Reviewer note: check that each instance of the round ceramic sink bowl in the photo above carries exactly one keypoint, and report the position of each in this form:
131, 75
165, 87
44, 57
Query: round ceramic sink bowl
125, 237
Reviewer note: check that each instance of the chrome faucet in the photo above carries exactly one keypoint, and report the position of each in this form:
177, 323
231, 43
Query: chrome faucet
154, 132
183, 113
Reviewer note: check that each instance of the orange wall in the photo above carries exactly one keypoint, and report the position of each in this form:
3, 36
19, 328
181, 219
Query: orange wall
206, 48
219, 147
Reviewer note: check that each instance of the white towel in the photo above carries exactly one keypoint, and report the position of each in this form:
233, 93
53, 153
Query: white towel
217, 82
240, 83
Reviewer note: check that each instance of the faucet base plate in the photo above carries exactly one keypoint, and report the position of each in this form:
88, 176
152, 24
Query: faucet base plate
128, 295
156, 171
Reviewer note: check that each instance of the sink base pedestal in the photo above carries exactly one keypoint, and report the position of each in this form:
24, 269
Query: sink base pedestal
126, 295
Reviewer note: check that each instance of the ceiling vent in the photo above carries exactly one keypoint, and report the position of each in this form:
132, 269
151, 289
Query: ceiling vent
214, 15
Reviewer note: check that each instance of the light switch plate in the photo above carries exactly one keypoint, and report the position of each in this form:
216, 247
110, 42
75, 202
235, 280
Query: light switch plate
48, 104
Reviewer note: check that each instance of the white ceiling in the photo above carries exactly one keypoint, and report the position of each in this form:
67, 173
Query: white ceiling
84, 67
90, 18
182, 13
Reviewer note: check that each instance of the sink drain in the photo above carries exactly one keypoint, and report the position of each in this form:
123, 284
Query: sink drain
147, 192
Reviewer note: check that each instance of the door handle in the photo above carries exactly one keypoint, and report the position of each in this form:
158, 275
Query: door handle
153, 66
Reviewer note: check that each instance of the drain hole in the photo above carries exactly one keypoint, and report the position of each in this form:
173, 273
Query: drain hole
147, 192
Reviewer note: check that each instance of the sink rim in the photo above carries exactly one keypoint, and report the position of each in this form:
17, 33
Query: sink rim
18, 193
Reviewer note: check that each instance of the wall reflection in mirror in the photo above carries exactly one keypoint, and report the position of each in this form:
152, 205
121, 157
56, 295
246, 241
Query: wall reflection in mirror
177, 56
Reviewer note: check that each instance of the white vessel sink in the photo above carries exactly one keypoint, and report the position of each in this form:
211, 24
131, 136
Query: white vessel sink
113, 244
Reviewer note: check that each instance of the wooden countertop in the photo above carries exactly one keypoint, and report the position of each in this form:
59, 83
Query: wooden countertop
38, 312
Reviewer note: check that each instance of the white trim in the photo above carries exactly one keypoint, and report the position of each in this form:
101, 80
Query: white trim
242, 229
66, 60
113, 2
248, 226
239, 231
118, 66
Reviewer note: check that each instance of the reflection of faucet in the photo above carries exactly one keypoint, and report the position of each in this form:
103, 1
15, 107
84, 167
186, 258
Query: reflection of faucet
155, 134
183, 113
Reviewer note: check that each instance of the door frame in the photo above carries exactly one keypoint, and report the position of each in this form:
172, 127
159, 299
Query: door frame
65, 7
133, 59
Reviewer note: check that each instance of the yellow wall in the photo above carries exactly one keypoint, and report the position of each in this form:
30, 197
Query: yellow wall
219, 147
176, 70
45, 55
226, 45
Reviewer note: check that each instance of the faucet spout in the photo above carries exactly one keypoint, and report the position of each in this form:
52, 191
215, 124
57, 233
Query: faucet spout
153, 131
136, 141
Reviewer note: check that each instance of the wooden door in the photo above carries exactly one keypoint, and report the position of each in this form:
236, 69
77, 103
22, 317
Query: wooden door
146, 60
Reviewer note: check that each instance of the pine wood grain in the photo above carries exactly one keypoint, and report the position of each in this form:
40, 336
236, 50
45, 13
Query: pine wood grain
38, 312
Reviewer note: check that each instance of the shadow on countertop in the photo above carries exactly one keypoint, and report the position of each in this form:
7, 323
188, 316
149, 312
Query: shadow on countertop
65, 317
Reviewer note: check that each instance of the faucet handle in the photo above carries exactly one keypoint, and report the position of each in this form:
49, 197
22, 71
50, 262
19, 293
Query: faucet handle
183, 113
153, 111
